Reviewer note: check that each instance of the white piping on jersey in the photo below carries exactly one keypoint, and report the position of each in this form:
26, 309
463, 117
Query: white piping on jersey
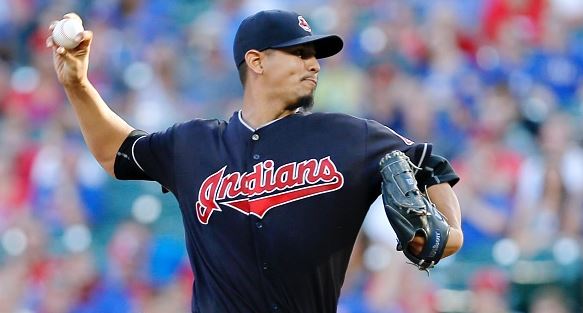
134, 155
422, 156
251, 128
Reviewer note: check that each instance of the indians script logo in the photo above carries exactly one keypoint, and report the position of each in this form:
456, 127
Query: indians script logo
304, 24
266, 187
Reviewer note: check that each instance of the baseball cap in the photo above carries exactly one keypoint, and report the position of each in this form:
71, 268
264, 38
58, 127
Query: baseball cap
280, 29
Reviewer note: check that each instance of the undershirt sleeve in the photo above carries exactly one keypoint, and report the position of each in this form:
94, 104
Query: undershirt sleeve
430, 169
436, 170
126, 167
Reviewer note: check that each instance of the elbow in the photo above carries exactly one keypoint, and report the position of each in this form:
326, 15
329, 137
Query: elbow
107, 163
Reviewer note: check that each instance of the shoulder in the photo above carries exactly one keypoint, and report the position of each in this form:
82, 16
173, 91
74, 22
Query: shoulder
336, 119
354, 124
185, 131
344, 119
197, 125
201, 123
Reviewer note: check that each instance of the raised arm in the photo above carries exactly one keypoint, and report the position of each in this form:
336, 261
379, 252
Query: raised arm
103, 130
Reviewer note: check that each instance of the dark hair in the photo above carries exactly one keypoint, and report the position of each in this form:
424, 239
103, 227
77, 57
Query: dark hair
242, 69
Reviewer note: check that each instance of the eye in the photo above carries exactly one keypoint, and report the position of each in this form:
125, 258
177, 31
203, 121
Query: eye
302, 53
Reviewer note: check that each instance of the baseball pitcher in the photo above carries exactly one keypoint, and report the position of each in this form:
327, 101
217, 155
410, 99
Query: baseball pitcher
273, 198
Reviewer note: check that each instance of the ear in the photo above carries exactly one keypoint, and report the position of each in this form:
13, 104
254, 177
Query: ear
253, 59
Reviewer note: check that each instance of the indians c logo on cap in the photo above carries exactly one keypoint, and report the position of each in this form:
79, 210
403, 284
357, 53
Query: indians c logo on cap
304, 24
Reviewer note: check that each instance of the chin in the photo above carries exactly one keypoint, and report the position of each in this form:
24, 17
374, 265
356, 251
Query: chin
305, 103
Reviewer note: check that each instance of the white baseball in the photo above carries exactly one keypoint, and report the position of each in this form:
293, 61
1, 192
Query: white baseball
65, 31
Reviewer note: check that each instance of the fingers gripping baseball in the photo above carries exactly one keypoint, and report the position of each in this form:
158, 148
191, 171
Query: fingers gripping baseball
71, 46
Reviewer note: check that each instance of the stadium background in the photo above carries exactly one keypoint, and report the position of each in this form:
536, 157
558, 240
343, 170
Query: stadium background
495, 84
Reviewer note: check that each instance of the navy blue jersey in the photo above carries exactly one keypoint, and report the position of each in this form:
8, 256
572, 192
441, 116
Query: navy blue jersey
271, 214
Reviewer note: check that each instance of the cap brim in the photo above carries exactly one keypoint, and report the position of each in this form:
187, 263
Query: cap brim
325, 45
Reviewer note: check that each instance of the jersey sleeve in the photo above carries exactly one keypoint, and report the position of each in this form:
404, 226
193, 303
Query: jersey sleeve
381, 140
147, 157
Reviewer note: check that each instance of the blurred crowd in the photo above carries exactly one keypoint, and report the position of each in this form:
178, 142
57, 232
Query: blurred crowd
496, 85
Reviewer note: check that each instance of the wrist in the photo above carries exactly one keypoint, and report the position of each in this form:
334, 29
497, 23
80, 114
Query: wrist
77, 83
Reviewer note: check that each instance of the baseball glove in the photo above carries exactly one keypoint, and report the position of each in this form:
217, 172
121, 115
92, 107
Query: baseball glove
410, 212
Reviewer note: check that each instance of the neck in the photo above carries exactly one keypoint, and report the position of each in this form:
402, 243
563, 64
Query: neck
258, 109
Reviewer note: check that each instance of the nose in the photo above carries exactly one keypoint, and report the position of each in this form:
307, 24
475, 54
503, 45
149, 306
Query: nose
313, 65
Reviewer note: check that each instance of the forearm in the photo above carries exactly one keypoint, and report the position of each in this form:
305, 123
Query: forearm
103, 130
444, 198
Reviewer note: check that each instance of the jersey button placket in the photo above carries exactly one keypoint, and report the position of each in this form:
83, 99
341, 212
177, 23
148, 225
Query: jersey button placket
259, 225
255, 138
